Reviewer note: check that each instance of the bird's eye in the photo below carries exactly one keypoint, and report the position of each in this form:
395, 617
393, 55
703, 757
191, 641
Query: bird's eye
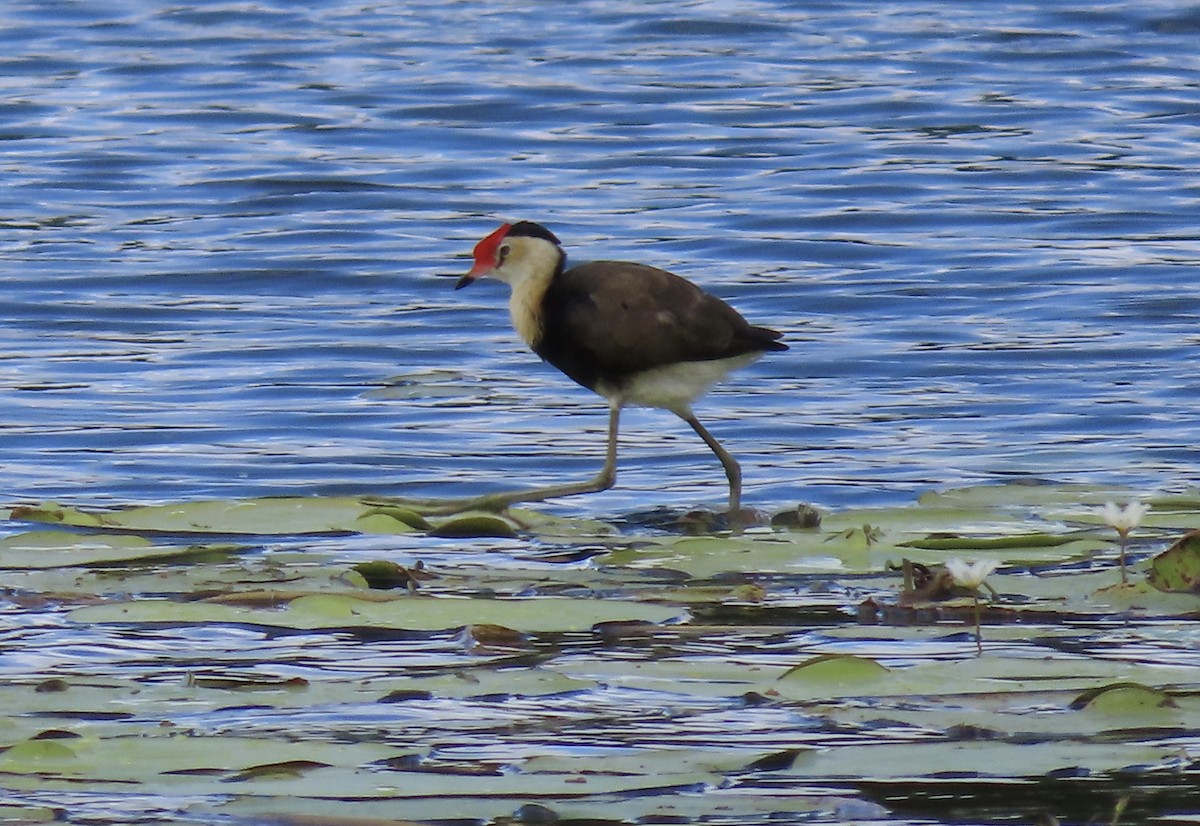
502, 253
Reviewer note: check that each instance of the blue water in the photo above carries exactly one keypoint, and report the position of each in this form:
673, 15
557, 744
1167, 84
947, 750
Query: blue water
225, 230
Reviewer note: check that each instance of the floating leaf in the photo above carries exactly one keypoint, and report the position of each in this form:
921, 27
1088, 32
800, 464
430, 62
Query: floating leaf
976, 543
19, 814
405, 516
33, 755
63, 549
473, 526
383, 574
836, 668
825, 672
284, 768
972, 761
381, 523
1177, 569
147, 759
1033, 494
1123, 698
268, 516
55, 514
578, 650
415, 613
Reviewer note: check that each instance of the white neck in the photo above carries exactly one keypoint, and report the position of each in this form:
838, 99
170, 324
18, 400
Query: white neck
528, 270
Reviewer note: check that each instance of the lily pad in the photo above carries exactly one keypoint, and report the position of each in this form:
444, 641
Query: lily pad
63, 549
597, 675
840, 673
413, 613
384, 574
1177, 569
123, 760
1123, 699
465, 526
269, 516
1019, 541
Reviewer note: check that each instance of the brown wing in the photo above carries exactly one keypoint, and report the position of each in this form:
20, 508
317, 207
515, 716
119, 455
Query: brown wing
606, 320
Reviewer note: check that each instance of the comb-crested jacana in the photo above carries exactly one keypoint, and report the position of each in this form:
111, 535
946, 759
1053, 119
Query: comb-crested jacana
635, 334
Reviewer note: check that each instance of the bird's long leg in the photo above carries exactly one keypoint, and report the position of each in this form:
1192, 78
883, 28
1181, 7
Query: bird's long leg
732, 469
498, 501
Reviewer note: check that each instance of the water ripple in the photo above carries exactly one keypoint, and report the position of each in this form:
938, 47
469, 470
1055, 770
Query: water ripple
977, 235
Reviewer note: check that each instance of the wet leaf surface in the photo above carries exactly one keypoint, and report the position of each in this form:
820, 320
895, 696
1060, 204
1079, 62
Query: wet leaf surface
331, 660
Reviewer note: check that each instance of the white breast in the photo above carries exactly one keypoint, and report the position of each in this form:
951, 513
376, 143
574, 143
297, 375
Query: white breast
674, 386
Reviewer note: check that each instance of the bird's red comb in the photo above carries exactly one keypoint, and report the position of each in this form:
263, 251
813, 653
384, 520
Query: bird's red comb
486, 255
485, 250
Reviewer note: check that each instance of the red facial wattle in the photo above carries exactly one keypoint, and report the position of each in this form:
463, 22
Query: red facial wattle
487, 256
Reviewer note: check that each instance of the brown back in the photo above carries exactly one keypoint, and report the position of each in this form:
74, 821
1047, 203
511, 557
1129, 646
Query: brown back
606, 320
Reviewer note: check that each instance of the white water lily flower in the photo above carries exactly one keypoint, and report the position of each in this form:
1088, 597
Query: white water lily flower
1124, 519
971, 574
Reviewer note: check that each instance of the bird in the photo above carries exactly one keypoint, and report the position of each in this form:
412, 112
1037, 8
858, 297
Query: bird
635, 334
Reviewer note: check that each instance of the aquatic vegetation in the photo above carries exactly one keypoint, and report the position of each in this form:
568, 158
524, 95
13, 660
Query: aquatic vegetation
336, 657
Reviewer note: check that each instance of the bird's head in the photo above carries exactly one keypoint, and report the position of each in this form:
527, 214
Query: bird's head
515, 252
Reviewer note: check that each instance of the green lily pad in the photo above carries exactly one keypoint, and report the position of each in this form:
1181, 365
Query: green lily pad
36, 755
581, 689
52, 513
413, 613
45, 550
405, 516
988, 543
144, 759
1022, 496
383, 574
16, 813
836, 668
840, 673
1123, 699
1177, 569
282, 516
980, 758
473, 525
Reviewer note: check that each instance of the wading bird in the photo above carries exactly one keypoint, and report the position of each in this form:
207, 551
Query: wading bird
635, 334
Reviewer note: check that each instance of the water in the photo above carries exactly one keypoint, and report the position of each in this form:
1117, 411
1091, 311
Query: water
224, 229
